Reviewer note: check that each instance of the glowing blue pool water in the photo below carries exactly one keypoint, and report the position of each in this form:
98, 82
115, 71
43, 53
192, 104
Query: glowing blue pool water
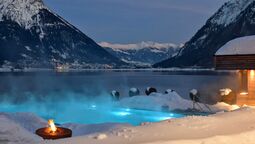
83, 97
90, 114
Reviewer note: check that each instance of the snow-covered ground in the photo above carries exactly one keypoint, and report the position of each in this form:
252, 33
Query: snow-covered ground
230, 127
235, 126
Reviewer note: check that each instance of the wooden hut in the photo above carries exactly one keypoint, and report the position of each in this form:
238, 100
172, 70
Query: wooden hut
239, 54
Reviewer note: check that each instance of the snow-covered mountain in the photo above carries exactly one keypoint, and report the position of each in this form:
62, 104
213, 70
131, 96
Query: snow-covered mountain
31, 35
144, 53
234, 19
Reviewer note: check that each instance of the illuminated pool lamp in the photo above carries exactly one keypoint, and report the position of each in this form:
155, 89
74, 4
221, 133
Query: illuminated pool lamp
127, 109
93, 107
52, 132
162, 118
122, 113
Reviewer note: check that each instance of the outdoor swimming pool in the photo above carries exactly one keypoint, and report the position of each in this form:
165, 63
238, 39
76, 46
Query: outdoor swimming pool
84, 98
90, 113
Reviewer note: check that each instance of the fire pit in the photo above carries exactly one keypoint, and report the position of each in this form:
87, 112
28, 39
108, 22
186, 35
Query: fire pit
52, 132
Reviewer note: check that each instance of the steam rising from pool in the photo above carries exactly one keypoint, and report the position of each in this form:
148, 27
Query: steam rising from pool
70, 108
84, 98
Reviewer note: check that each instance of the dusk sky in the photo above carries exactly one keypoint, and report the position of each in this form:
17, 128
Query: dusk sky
132, 21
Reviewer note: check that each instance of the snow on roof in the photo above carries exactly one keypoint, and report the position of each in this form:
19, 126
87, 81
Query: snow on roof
239, 46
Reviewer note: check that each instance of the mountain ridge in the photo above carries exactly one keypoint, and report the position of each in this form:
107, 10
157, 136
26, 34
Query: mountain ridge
143, 53
43, 39
234, 19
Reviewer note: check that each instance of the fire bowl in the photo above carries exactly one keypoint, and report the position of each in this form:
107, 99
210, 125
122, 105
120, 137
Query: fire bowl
46, 133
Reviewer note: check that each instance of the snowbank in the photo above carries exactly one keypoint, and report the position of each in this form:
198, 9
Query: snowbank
239, 46
19, 128
29, 121
242, 138
173, 100
13, 133
231, 127
81, 129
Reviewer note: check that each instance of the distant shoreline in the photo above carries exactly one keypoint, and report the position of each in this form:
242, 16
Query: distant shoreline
119, 70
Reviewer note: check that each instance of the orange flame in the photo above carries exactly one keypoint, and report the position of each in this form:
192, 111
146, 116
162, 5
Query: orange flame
52, 127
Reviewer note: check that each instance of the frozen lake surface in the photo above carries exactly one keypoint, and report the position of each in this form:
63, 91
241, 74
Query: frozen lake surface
83, 97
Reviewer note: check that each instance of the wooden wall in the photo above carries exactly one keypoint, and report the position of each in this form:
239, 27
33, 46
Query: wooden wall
234, 62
